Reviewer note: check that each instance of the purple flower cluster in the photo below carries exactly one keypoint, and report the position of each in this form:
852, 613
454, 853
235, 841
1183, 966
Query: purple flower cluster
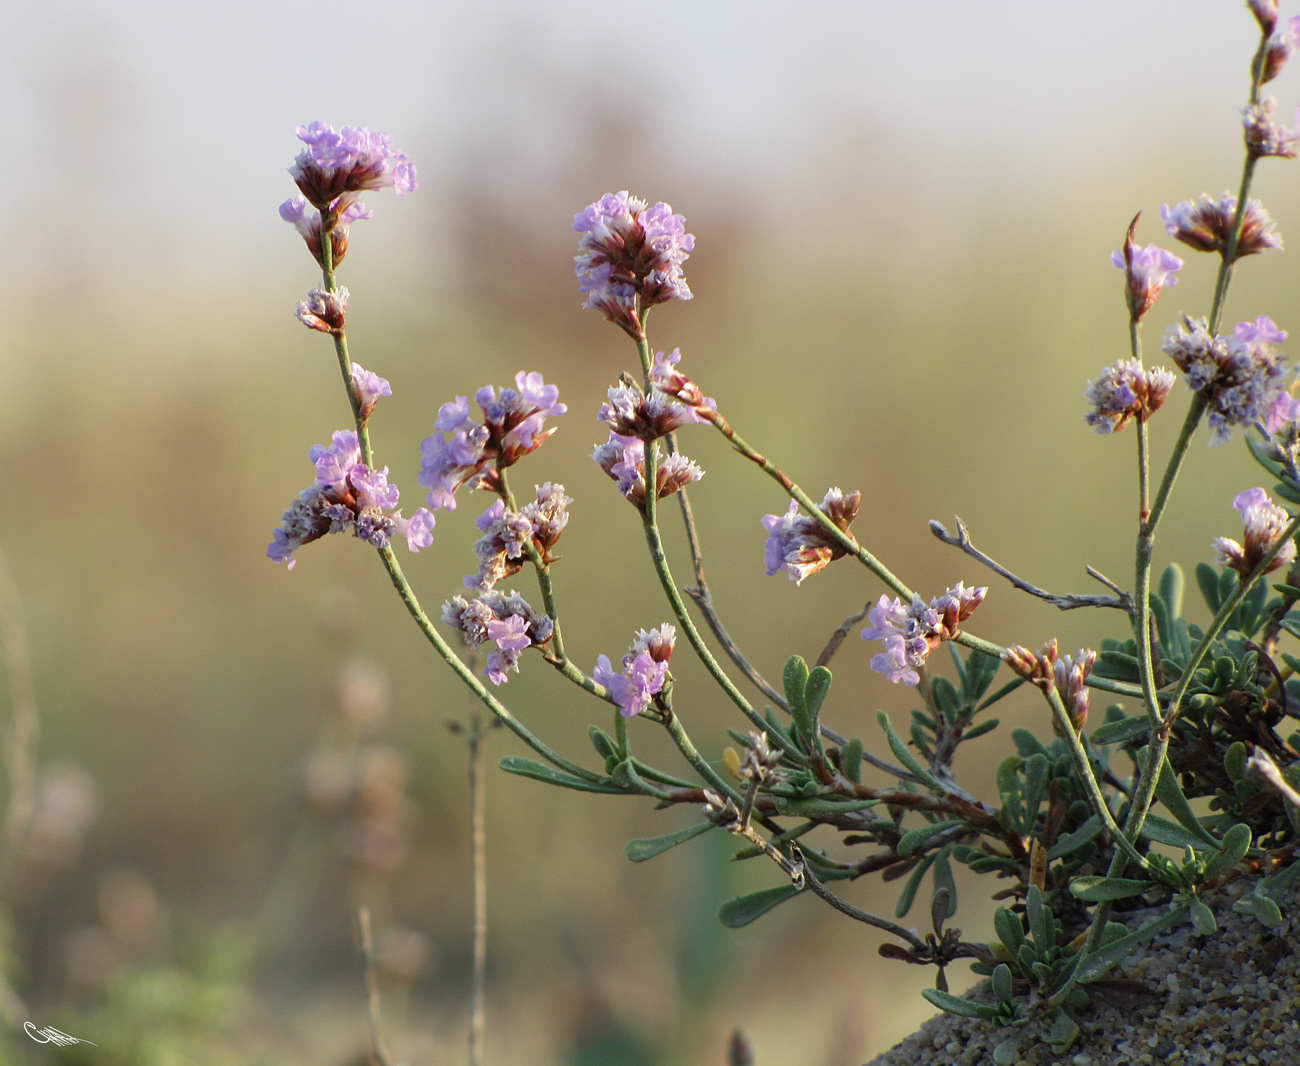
324, 310
331, 172
799, 544
1048, 670
630, 257
347, 497
1146, 270
665, 377
645, 670
1243, 378
911, 632
630, 413
512, 427
1206, 225
1264, 136
623, 459
308, 224
369, 387
507, 620
1265, 523
1126, 391
506, 535
342, 164
1281, 45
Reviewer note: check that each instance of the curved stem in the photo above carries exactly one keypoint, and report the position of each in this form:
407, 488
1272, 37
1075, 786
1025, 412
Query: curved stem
1083, 766
462, 671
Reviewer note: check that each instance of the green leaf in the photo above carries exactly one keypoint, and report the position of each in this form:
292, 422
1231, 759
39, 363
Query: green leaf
914, 838
1026, 743
603, 742
1103, 960
945, 698
1006, 1053
795, 678
851, 760
1202, 916
1234, 760
1040, 921
1275, 884
1171, 795
1096, 889
943, 878
1077, 839
1063, 1033
909, 889
1160, 612
1002, 982
1035, 778
1012, 814
1171, 589
956, 1005
1265, 910
742, 910
517, 764
1235, 842
648, 848
1009, 928
1119, 732
1163, 831
815, 690
1288, 590
1208, 580
815, 807
986, 726
904, 756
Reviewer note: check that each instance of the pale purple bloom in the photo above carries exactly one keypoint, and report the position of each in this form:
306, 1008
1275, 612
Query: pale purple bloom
308, 224
645, 670
347, 497
911, 632
665, 376
463, 449
324, 310
1206, 225
630, 257
1265, 523
369, 387
506, 619
623, 459
1126, 391
1147, 270
1242, 377
1285, 410
1281, 46
353, 160
1265, 12
500, 550
799, 544
1264, 136
632, 414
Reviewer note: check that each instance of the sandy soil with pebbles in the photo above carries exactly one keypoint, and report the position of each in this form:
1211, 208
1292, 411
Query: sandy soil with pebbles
1233, 997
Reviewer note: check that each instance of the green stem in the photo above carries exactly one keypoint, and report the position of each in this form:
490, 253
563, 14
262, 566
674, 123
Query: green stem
678, 732
1083, 766
1221, 618
1145, 551
660, 560
466, 675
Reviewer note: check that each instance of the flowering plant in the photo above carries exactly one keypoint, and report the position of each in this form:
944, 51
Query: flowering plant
1073, 832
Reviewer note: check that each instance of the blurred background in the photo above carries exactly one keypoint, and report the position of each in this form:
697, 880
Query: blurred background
903, 216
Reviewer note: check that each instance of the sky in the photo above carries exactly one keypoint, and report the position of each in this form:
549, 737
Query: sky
167, 126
